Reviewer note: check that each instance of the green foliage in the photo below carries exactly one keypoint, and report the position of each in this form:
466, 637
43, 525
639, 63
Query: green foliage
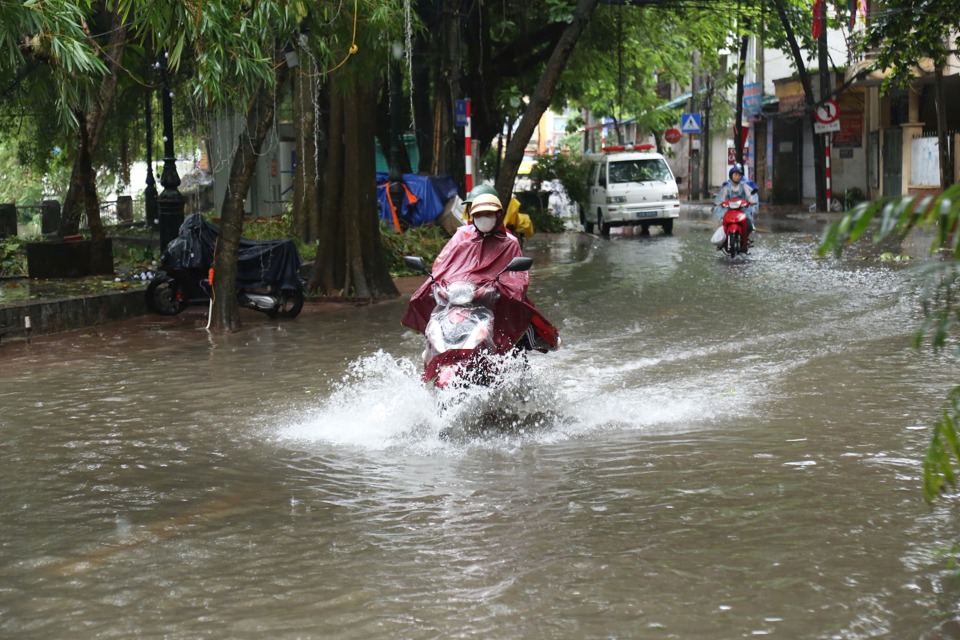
277, 228
908, 31
545, 222
569, 170
140, 255
941, 306
425, 241
13, 256
626, 56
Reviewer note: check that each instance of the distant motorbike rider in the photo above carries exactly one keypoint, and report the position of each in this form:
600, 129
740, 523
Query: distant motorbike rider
738, 187
478, 252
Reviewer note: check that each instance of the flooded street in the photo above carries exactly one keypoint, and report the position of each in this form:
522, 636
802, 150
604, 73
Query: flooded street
719, 450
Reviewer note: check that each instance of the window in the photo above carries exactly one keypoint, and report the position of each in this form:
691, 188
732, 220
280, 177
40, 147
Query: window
648, 170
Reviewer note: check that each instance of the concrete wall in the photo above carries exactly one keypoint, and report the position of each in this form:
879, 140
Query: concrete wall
68, 314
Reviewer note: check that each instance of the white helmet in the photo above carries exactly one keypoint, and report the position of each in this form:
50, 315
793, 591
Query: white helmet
486, 203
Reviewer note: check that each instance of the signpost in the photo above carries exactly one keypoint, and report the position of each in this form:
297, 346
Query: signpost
690, 123
462, 118
827, 116
672, 135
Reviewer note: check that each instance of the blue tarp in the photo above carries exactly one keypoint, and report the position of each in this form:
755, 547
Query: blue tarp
423, 201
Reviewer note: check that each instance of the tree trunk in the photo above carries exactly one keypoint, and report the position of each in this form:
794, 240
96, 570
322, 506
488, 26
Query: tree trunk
328, 267
306, 186
540, 100
226, 311
420, 89
88, 179
448, 155
350, 259
95, 121
946, 159
809, 103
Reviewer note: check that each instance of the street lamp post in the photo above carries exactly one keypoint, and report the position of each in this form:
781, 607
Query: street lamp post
170, 202
150, 193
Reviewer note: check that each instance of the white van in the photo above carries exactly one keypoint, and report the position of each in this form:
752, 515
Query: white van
629, 187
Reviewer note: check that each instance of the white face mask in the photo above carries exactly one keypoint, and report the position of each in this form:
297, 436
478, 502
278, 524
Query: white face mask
485, 224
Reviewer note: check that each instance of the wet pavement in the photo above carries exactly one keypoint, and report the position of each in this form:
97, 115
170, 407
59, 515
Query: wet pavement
728, 449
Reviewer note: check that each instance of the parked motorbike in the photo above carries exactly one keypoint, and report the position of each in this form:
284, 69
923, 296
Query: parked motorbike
268, 277
733, 235
460, 334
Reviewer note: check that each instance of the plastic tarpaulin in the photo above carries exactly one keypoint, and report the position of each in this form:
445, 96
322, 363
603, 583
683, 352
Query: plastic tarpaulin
423, 199
261, 262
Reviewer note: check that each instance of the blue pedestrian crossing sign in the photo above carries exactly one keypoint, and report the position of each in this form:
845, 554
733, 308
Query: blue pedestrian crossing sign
690, 123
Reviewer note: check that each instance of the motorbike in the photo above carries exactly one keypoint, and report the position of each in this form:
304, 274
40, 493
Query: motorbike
733, 235
460, 333
268, 278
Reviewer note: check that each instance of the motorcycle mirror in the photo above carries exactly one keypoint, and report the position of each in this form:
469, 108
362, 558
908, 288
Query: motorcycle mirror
416, 263
518, 264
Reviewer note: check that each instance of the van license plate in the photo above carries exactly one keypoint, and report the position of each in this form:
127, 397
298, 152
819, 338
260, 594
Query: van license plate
646, 214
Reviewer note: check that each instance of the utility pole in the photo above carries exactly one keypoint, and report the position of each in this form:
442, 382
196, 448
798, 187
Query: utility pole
738, 122
820, 147
694, 187
705, 135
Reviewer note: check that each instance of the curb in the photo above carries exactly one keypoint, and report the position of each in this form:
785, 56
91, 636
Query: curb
68, 314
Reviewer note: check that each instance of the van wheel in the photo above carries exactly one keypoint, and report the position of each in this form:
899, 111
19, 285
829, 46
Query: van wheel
667, 226
603, 226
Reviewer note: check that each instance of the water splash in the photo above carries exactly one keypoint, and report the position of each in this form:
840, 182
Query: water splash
379, 403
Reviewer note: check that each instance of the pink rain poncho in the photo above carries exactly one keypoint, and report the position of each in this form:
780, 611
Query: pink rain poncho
473, 257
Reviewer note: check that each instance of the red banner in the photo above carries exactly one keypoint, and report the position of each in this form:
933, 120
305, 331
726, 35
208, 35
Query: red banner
818, 18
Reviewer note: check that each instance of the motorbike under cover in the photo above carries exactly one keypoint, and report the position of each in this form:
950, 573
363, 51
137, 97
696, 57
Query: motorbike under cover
261, 262
473, 257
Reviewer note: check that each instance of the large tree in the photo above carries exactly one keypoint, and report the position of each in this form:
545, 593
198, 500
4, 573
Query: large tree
350, 259
234, 50
542, 96
911, 40
73, 51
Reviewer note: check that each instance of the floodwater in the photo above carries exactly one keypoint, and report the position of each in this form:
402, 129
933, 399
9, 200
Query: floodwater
719, 450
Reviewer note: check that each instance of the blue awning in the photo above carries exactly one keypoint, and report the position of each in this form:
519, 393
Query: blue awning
679, 101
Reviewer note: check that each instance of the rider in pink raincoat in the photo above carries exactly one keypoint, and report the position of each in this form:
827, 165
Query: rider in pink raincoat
477, 253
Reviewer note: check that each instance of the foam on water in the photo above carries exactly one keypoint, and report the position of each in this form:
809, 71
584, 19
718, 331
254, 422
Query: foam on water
381, 404
378, 404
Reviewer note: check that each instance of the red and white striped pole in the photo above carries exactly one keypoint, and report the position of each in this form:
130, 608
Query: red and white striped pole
468, 180
826, 146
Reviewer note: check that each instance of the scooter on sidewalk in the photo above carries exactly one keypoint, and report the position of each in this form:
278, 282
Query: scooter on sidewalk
268, 278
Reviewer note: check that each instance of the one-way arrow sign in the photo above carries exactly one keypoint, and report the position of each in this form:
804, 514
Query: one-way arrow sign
690, 123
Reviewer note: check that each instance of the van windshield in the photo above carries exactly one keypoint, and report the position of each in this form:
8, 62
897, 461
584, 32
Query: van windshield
647, 170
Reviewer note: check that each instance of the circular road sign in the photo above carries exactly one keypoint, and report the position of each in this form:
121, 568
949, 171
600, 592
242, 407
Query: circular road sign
828, 112
672, 136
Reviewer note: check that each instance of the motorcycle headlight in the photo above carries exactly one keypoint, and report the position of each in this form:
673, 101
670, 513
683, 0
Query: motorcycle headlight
460, 293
